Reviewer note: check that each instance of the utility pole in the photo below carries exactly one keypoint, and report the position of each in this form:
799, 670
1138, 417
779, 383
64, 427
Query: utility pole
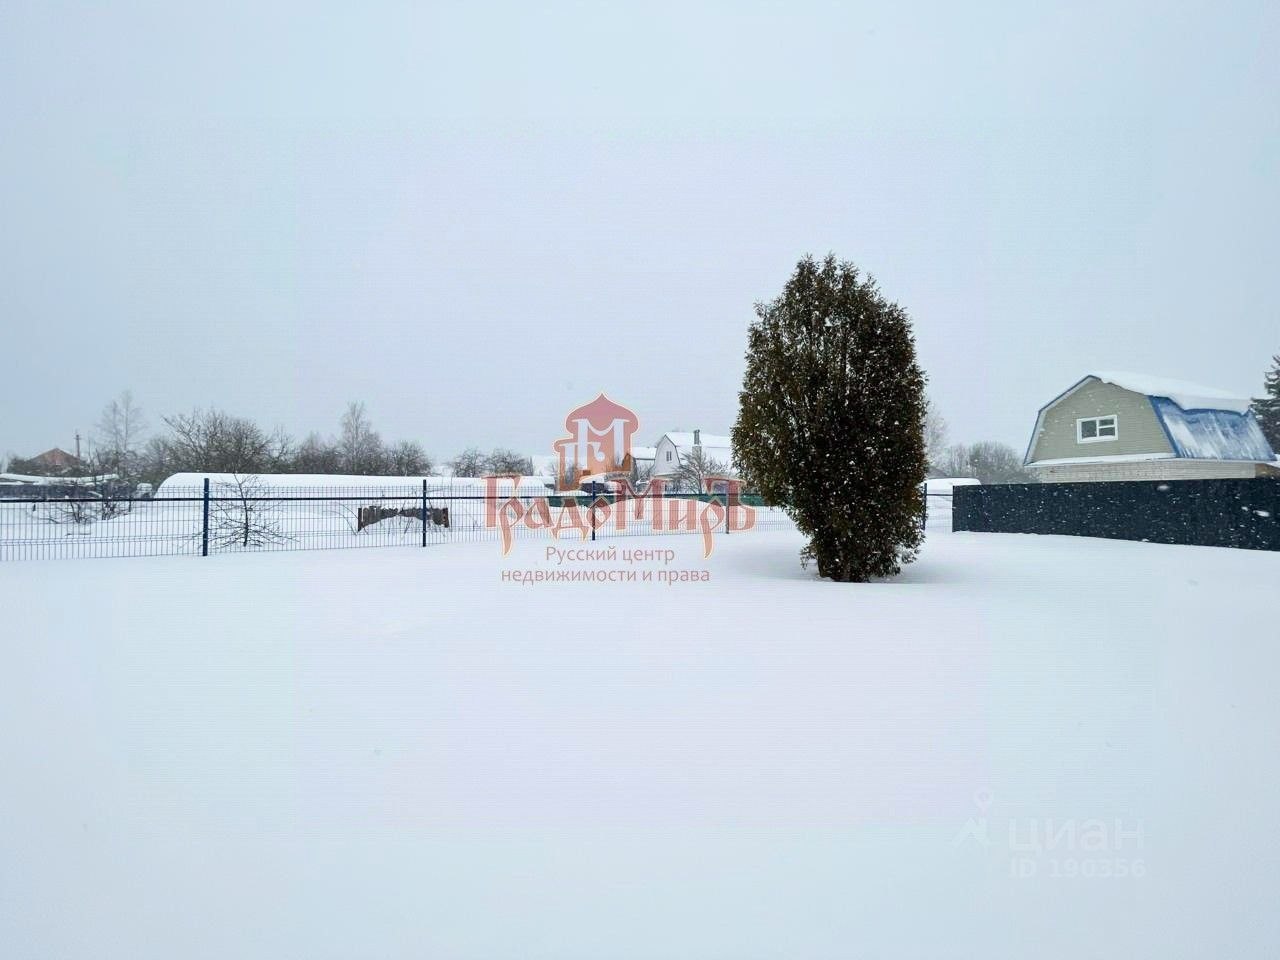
77, 444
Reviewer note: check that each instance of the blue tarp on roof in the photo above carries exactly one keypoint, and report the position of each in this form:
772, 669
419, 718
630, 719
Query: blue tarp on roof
1212, 434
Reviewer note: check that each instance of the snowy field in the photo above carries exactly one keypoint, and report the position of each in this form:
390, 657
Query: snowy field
1024, 747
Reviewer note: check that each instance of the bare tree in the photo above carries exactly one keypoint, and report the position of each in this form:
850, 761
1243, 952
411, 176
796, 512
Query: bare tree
153, 461
317, 455
76, 510
954, 462
935, 436
360, 444
469, 463
473, 462
100, 495
695, 468
408, 459
501, 461
215, 442
993, 462
566, 479
987, 461
117, 438
242, 514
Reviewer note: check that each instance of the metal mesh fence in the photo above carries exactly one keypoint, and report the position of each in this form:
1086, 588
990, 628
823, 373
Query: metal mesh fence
250, 516
36, 529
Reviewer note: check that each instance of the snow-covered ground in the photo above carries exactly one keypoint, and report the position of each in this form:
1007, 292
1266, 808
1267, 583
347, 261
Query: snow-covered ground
1023, 747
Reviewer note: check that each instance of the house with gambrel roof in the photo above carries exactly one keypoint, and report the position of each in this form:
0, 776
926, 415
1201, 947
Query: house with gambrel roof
1128, 426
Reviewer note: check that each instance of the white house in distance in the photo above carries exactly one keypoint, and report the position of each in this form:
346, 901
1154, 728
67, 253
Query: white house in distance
673, 447
1129, 426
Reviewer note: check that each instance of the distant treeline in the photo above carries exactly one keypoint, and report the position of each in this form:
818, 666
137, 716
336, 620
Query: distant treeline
213, 441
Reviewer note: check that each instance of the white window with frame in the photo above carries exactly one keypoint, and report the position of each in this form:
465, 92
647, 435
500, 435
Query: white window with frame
668, 456
1097, 429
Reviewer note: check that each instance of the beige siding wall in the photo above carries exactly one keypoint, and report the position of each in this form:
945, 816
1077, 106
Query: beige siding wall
1152, 470
1139, 431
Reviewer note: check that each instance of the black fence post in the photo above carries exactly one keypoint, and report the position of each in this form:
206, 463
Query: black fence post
591, 511
204, 536
424, 511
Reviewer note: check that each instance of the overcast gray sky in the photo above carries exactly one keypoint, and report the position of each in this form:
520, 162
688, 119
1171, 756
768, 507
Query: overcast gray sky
476, 217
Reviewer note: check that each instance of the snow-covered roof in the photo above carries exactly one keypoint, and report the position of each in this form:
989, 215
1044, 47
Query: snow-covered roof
682, 439
55, 481
714, 446
1189, 396
1212, 434
644, 453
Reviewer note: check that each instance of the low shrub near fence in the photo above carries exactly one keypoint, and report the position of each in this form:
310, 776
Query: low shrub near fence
1211, 513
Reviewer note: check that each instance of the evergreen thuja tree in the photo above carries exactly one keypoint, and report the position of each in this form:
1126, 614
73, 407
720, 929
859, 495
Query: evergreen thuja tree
1267, 409
831, 423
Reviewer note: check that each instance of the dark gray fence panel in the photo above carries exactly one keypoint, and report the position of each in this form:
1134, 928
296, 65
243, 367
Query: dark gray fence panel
1211, 513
